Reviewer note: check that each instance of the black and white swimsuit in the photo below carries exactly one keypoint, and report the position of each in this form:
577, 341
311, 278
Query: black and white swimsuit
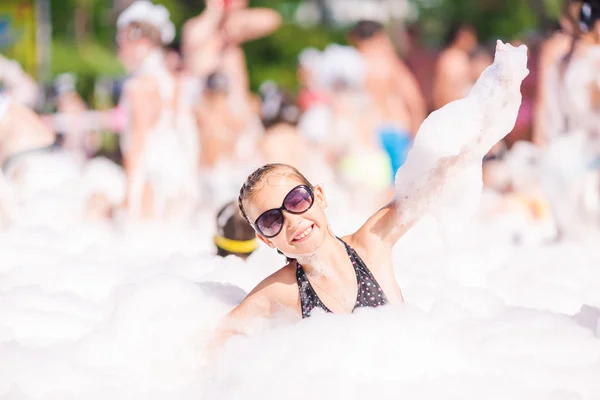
369, 293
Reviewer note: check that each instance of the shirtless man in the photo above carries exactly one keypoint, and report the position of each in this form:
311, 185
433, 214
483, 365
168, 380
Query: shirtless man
212, 41
452, 77
388, 81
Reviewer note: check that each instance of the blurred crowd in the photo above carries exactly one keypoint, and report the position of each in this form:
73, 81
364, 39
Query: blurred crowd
190, 130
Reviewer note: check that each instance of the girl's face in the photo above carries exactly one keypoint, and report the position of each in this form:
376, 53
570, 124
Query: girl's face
301, 233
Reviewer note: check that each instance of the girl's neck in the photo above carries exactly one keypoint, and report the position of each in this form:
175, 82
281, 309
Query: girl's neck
328, 260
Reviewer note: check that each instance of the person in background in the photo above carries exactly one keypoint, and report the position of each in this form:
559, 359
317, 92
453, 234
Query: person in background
213, 42
393, 90
281, 141
554, 50
234, 235
420, 59
75, 129
388, 81
453, 78
218, 125
160, 144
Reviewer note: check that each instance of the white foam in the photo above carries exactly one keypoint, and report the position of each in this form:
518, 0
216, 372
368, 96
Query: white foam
467, 129
97, 312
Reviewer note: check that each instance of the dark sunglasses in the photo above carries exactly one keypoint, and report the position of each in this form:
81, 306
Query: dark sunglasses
298, 201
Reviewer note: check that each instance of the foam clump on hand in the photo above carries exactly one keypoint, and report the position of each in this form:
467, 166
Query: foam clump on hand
453, 140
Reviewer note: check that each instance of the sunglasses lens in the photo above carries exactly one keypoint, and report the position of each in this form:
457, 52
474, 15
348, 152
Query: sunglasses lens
270, 223
298, 200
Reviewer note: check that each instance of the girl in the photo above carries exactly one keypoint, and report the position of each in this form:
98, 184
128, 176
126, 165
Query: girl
341, 274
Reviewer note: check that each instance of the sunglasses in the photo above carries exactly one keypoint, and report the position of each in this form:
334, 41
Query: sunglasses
298, 201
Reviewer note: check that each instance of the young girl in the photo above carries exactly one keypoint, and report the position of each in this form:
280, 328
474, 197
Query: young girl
337, 274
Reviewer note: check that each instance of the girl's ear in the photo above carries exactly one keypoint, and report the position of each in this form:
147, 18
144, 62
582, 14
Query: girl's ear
265, 240
320, 196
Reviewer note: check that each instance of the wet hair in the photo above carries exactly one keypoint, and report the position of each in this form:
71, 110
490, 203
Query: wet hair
139, 30
365, 30
233, 227
250, 187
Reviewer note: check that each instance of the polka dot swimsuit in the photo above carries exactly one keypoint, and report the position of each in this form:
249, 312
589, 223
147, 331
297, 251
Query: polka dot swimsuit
369, 293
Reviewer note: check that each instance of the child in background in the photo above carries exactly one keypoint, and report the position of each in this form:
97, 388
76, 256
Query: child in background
234, 234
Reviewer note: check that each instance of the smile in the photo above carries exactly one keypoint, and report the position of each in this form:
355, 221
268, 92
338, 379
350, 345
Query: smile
302, 236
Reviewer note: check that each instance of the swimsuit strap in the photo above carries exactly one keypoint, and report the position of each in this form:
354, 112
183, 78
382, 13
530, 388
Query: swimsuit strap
369, 293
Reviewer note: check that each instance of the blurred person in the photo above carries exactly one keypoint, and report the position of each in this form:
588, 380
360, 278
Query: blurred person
219, 127
212, 42
571, 130
453, 76
17, 84
160, 144
388, 81
281, 141
350, 138
392, 88
554, 49
421, 61
572, 91
74, 127
234, 235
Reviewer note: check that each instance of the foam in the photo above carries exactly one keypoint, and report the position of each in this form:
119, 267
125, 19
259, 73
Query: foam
446, 157
126, 312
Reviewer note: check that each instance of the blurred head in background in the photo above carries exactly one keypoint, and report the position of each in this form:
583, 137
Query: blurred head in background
462, 36
234, 235
142, 29
278, 107
589, 16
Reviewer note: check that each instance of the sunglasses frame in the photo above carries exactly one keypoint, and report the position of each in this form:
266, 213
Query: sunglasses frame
283, 208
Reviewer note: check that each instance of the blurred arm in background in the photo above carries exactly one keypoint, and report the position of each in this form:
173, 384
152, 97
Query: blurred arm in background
22, 88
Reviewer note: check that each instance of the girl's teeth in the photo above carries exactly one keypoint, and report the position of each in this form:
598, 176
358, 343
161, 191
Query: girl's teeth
303, 234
